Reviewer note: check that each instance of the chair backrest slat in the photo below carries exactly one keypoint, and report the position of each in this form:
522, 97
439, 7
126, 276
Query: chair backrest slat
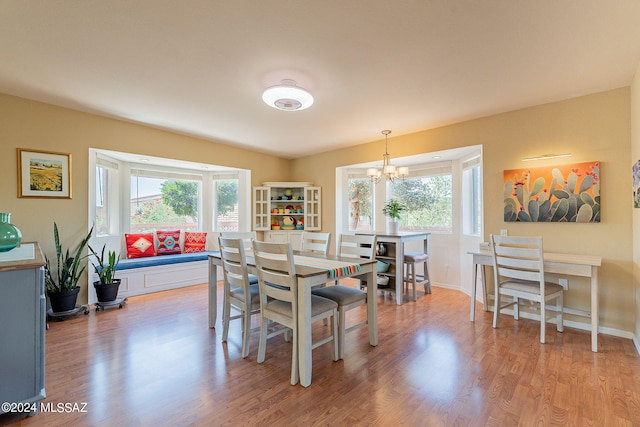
234, 264
518, 257
315, 242
276, 271
357, 245
246, 236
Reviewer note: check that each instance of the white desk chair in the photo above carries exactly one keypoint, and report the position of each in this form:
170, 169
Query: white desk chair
238, 293
352, 246
279, 300
519, 273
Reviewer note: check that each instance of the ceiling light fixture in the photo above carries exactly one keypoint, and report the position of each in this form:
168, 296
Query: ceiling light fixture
545, 156
287, 96
389, 171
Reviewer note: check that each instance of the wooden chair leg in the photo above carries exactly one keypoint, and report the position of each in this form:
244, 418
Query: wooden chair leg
246, 327
341, 332
559, 317
334, 331
543, 321
496, 310
294, 359
262, 343
427, 283
226, 314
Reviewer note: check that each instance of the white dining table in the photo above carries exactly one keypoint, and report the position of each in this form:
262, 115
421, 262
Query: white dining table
563, 264
308, 277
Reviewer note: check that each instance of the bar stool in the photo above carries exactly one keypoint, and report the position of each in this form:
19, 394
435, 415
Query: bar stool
411, 260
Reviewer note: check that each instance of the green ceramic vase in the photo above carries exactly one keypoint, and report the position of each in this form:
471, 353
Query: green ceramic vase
10, 235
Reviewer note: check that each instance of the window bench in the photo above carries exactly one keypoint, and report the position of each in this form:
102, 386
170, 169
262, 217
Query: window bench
160, 273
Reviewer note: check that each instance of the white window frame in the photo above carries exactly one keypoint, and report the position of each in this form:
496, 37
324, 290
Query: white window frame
472, 209
121, 208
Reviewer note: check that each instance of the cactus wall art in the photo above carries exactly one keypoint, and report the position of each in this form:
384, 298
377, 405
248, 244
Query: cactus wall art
635, 175
563, 193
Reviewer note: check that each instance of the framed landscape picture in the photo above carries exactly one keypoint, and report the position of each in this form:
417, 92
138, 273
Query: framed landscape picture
44, 174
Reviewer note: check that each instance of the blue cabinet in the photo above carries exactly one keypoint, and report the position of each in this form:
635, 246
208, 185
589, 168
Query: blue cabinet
22, 330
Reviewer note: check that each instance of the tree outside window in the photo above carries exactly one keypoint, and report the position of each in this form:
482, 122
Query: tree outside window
360, 204
429, 201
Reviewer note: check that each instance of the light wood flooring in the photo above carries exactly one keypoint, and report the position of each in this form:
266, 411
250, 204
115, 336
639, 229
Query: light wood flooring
156, 363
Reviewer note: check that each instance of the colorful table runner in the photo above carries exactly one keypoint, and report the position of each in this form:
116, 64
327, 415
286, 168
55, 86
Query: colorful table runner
335, 268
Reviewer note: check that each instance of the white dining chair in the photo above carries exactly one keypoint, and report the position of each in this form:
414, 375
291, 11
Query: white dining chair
519, 273
314, 241
247, 238
279, 300
359, 246
239, 294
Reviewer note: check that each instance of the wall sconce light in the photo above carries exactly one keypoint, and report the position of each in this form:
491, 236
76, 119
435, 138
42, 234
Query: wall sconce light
545, 156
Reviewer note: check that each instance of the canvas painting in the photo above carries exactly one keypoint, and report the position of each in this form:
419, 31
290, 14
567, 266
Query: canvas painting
635, 175
561, 193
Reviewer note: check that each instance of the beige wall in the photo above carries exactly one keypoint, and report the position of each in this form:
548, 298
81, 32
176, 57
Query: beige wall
37, 126
635, 156
593, 128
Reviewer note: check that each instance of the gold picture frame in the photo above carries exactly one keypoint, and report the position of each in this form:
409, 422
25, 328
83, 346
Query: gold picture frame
44, 174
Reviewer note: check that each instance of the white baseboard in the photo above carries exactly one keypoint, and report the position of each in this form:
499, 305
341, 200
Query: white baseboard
584, 326
636, 344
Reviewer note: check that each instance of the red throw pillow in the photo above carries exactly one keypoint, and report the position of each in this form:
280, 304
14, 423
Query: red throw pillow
168, 242
140, 245
195, 241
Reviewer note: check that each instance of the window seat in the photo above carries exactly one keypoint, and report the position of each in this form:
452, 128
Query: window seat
159, 273
127, 264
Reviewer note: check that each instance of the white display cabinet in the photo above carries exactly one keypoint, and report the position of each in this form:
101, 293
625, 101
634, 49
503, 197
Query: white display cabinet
284, 209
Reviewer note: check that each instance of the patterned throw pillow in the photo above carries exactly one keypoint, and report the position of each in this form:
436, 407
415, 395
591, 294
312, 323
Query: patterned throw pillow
195, 241
168, 242
139, 245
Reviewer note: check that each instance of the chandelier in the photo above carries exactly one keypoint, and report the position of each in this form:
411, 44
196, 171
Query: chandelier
389, 171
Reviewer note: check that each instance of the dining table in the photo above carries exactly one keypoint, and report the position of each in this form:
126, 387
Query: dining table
312, 269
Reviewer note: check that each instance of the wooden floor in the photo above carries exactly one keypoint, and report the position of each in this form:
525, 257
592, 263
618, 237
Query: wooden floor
156, 363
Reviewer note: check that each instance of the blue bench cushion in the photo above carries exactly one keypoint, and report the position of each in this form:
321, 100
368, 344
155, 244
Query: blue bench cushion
126, 264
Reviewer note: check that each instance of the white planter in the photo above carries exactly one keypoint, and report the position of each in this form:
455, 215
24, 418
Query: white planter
393, 227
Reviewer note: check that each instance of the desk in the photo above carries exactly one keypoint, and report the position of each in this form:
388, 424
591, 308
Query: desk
397, 256
564, 264
308, 277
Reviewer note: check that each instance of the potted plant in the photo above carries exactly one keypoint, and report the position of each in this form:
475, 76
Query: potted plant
392, 210
62, 282
107, 286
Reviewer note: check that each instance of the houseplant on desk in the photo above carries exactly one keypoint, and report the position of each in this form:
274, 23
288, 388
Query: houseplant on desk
105, 267
61, 281
392, 209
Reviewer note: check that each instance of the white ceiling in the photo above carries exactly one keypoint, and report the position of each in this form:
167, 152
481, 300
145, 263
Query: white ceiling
199, 67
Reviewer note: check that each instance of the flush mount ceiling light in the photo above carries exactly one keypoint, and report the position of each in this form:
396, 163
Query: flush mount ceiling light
389, 171
287, 96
